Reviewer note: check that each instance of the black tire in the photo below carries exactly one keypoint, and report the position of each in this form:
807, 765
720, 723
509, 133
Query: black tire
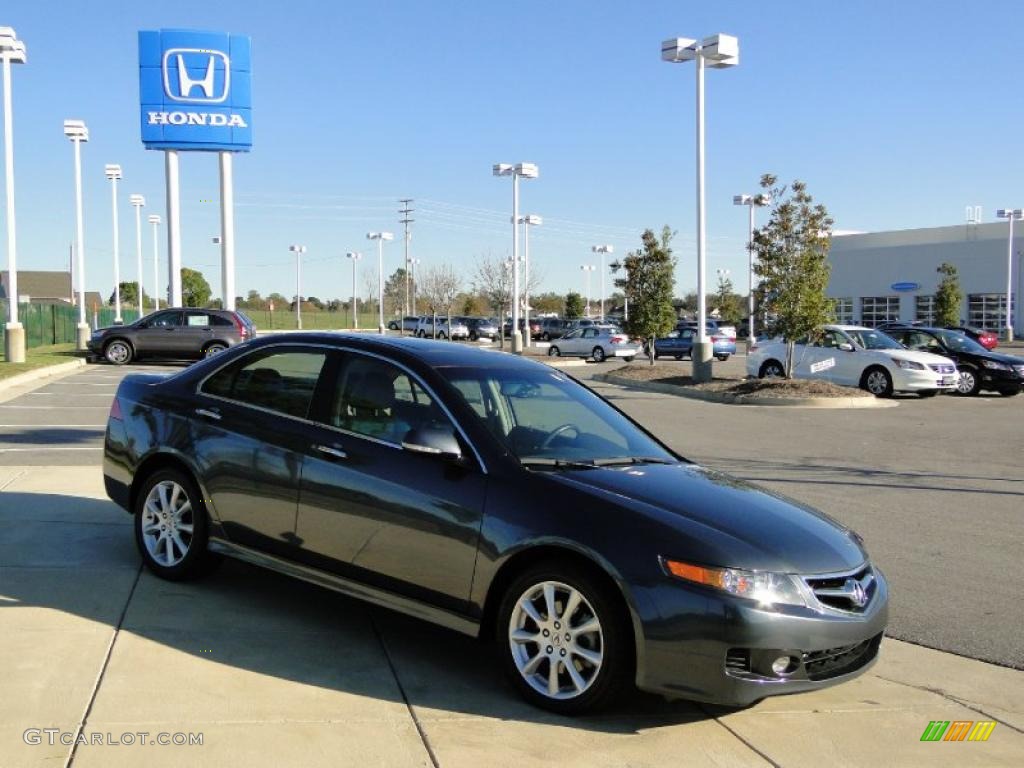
420, 333
473, 336
677, 357
969, 382
613, 678
197, 560
554, 352
771, 369
442, 335
214, 348
598, 354
546, 336
877, 381
722, 358
118, 352
629, 359
928, 392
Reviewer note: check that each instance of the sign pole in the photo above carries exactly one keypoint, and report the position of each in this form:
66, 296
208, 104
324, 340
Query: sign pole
227, 230
173, 228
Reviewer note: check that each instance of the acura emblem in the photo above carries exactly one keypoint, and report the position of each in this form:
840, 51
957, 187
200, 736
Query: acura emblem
857, 594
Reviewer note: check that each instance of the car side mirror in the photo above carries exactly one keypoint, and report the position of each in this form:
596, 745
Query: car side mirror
433, 441
846, 346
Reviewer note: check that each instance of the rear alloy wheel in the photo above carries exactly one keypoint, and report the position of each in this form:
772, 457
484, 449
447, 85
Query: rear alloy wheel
968, 383
554, 352
214, 349
442, 335
878, 382
562, 641
118, 352
771, 370
598, 354
171, 526
722, 358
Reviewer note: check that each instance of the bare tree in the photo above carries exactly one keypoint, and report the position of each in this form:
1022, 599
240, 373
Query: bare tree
492, 279
370, 286
439, 286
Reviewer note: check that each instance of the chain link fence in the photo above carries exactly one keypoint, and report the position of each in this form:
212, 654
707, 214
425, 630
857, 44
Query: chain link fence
47, 324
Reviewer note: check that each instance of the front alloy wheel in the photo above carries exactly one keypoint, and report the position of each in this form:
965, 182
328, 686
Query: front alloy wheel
878, 382
968, 383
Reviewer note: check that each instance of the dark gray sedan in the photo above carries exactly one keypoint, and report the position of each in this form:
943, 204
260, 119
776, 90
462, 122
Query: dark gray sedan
498, 497
176, 334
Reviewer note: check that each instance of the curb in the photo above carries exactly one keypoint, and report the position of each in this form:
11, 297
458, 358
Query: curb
823, 403
45, 372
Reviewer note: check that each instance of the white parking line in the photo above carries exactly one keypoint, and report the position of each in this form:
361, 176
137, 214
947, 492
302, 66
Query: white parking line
53, 426
47, 448
65, 394
52, 407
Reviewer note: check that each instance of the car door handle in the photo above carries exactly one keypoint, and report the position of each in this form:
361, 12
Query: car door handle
206, 413
331, 450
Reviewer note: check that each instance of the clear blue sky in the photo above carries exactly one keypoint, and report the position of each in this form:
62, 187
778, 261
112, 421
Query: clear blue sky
896, 114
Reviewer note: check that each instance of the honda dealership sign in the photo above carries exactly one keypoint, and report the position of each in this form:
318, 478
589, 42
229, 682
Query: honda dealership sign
195, 90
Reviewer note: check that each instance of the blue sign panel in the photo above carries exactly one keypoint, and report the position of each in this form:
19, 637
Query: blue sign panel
195, 89
905, 286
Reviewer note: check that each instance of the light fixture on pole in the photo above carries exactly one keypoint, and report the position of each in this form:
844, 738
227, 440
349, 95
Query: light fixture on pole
298, 250
154, 219
77, 132
1011, 215
587, 269
138, 202
12, 51
526, 171
355, 256
717, 52
380, 237
751, 201
113, 172
528, 220
603, 250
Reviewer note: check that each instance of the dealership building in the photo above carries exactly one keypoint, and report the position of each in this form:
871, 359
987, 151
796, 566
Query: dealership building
882, 276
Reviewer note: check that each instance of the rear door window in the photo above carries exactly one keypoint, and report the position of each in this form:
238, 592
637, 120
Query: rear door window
278, 380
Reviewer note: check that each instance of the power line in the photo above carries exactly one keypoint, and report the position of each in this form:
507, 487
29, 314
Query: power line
406, 221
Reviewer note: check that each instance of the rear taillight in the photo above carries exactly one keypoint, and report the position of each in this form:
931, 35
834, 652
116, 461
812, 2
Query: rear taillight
619, 339
243, 332
115, 411
716, 339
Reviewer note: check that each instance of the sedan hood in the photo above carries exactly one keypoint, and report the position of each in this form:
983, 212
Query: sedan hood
723, 521
925, 358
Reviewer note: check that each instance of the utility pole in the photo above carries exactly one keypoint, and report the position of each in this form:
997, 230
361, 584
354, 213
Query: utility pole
405, 211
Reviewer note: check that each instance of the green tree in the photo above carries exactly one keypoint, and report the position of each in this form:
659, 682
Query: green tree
791, 259
948, 296
573, 305
548, 302
394, 292
649, 285
128, 295
728, 303
195, 291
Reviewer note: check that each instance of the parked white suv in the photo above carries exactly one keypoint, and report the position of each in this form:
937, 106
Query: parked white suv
425, 328
853, 356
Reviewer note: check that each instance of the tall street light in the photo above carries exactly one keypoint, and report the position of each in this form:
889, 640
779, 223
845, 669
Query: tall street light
138, 202
529, 220
298, 250
1010, 214
113, 172
12, 51
751, 201
717, 52
603, 250
355, 256
526, 171
77, 132
587, 269
154, 219
380, 237
615, 266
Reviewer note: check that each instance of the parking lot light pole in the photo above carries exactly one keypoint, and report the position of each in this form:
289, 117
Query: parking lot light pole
77, 132
412, 277
529, 220
717, 52
587, 269
526, 171
12, 51
380, 237
154, 219
1010, 214
298, 250
355, 256
603, 250
751, 201
113, 172
137, 202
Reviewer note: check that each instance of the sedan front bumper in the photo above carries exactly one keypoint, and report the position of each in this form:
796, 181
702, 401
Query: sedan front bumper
914, 381
714, 648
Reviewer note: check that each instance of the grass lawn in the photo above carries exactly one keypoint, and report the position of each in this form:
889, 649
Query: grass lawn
39, 357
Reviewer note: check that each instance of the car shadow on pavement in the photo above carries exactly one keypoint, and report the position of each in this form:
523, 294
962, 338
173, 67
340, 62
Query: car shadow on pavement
43, 436
242, 631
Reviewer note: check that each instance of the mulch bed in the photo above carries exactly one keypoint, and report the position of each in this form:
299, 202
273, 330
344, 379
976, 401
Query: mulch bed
766, 388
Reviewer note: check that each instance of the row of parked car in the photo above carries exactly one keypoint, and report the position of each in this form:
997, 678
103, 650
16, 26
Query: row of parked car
922, 359
475, 328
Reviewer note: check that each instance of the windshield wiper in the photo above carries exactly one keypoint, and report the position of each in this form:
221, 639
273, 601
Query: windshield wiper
624, 460
545, 461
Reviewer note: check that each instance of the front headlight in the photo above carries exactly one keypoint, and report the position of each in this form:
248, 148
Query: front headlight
762, 587
995, 366
908, 365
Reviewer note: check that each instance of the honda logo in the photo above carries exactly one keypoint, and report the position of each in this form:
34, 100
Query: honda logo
193, 75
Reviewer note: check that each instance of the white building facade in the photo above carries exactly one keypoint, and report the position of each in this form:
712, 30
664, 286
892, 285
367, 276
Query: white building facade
882, 276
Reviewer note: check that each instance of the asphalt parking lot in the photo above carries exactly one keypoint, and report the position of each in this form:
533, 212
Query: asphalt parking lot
278, 672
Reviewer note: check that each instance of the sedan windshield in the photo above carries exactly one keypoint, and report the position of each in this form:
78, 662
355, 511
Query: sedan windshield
960, 343
545, 418
873, 340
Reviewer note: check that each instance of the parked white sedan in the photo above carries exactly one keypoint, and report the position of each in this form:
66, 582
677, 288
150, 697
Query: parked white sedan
596, 341
857, 357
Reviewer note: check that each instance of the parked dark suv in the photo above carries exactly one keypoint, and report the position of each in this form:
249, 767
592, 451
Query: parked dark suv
177, 334
552, 328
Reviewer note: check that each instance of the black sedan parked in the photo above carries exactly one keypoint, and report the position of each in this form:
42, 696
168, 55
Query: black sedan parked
175, 334
978, 367
498, 497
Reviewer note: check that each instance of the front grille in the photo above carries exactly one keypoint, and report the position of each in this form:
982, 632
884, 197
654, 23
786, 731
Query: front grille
833, 662
943, 368
738, 660
850, 592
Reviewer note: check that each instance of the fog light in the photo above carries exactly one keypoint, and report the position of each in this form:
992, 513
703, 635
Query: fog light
783, 665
